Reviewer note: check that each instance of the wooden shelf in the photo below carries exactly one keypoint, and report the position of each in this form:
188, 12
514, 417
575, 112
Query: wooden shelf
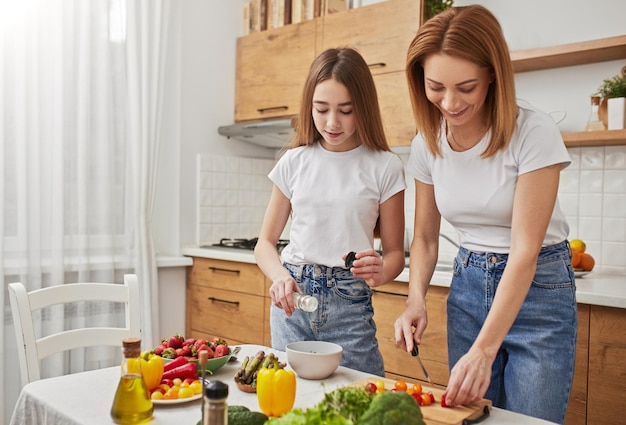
601, 50
595, 138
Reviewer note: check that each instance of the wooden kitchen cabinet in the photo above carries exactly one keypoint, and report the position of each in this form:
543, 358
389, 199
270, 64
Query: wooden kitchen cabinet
381, 32
226, 299
389, 301
395, 108
272, 66
600, 351
607, 365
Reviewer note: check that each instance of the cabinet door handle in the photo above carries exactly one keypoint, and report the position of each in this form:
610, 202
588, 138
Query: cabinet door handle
273, 108
217, 269
377, 65
219, 300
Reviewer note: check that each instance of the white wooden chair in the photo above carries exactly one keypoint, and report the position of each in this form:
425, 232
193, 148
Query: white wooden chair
31, 350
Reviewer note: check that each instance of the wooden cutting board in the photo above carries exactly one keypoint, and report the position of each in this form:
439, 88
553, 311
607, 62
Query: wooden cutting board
434, 414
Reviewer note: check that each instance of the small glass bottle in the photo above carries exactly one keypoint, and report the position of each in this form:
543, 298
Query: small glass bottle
215, 407
131, 404
304, 302
594, 123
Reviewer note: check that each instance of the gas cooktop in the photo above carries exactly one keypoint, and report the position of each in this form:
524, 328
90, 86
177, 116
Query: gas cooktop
244, 244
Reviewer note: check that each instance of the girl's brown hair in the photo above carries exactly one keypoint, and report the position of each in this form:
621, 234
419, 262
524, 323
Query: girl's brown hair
346, 66
472, 33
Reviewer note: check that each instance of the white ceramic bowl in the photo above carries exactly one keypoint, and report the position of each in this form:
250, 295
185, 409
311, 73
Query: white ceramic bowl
314, 359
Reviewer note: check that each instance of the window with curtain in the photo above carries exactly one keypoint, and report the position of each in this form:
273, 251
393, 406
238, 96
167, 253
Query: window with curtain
80, 102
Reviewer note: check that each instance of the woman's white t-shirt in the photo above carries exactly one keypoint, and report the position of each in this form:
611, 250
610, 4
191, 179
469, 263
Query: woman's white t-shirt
335, 199
476, 195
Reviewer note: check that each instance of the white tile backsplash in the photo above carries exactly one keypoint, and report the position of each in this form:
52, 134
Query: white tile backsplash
233, 193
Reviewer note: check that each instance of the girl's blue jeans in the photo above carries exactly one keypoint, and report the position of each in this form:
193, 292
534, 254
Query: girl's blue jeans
344, 316
533, 371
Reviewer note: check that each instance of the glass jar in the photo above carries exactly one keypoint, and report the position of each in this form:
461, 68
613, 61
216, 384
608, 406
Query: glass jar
304, 302
594, 123
131, 404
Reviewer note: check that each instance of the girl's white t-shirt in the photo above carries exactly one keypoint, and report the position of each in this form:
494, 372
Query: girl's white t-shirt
335, 199
476, 195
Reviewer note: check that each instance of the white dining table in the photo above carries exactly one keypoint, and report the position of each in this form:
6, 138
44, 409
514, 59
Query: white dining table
85, 398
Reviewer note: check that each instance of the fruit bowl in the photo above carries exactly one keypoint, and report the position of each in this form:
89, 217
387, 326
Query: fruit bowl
314, 359
211, 365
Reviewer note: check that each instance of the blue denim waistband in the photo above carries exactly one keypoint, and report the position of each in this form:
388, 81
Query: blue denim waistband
491, 260
316, 271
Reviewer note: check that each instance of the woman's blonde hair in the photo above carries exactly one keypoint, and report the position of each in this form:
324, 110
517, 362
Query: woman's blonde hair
472, 33
346, 66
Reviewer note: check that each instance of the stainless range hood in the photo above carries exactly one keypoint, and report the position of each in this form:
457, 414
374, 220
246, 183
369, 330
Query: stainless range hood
270, 134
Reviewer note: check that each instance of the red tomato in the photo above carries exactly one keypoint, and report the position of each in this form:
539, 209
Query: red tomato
371, 388
432, 396
443, 401
418, 398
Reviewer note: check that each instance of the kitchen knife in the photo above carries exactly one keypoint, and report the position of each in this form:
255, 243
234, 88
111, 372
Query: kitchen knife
415, 353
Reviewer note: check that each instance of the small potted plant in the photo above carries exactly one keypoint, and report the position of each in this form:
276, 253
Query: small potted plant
613, 93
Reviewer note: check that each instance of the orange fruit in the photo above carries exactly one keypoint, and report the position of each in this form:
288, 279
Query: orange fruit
577, 245
586, 262
575, 258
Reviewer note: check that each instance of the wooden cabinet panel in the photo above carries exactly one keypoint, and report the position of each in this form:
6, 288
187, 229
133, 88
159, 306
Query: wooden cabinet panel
231, 275
577, 407
228, 314
434, 348
607, 365
395, 106
226, 299
381, 32
272, 66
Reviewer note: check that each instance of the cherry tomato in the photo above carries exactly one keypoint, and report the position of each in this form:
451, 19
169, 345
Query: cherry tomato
371, 388
380, 385
156, 395
177, 381
426, 399
443, 401
400, 386
418, 398
417, 388
171, 394
185, 392
432, 396
196, 387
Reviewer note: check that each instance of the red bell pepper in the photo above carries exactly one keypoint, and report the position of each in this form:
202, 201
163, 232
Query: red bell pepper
178, 361
188, 370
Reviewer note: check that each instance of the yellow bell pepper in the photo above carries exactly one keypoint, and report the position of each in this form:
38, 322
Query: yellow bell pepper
151, 369
276, 390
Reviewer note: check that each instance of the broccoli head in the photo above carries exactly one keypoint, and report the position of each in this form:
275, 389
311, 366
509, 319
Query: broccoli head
392, 408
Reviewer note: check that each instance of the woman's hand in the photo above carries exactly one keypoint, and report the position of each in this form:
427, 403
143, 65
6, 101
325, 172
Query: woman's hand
369, 267
469, 378
281, 291
410, 325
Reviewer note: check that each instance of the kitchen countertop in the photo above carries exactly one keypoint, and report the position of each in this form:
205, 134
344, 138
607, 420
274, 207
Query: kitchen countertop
596, 288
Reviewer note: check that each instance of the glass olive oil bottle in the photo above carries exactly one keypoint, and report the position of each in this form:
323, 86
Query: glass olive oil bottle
132, 404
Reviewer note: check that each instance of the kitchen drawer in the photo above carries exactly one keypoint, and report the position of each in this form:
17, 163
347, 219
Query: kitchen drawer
231, 275
228, 314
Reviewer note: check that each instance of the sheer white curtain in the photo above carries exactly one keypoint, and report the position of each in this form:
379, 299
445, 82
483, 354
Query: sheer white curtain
80, 101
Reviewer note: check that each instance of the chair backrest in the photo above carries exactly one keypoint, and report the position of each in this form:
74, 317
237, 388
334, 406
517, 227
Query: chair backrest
31, 350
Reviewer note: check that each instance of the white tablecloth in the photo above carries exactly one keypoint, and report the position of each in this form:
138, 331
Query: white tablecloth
85, 398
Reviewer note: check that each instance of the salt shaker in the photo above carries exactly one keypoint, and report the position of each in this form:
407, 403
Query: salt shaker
304, 302
215, 406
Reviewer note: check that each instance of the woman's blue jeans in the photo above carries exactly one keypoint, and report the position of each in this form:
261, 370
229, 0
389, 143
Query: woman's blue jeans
533, 371
344, 316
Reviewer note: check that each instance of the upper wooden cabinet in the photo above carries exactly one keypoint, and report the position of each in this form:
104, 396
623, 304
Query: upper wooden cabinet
272, 66
395, 108
381, 32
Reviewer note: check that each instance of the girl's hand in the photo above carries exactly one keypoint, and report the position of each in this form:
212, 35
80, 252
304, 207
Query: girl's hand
410, 325
469, 378
369, 267
281, 291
